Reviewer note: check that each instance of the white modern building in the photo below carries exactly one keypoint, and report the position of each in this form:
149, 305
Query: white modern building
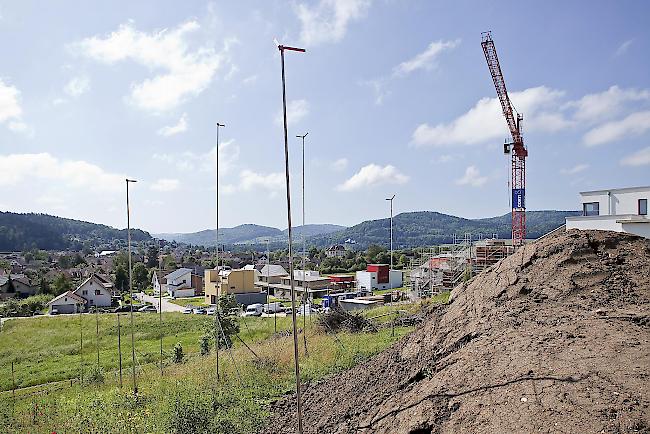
378, 277
179, 283
619, 209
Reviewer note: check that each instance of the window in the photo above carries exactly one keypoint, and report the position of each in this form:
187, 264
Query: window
590, 208
84, 292
643, 206
98, 292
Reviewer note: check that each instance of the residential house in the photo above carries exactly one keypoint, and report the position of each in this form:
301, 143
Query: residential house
335, 251
68, 302
378, 277
240, 283
15, 286
617, 209
96, 291
306, 282
270, 274
182, 283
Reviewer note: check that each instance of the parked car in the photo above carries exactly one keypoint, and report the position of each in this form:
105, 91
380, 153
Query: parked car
187, 310
54, 311
273, 308
200, 310
123, 308
148, 308
254, 309
211, 311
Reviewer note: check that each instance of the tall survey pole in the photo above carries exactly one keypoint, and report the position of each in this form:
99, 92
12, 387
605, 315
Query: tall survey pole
282, 48
391, 230
304, 250
217, 324
128, 230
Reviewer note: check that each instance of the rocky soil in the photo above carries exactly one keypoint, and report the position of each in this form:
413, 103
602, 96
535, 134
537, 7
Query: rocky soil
555, 338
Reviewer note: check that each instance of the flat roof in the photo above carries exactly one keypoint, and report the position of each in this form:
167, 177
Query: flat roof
616, 190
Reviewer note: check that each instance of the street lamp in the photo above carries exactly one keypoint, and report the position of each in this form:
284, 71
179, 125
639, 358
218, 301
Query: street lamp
391, 230
282, 48
217, 325
128, 231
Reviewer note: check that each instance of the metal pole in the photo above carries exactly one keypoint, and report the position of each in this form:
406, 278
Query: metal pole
13, 383
304, 249
119, 344
291, 277
160, 309
81, 348
128, 229
391, 233
218, 285
97, 334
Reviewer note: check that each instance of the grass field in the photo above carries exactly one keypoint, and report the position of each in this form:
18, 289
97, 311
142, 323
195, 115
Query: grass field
194, 301
187, 398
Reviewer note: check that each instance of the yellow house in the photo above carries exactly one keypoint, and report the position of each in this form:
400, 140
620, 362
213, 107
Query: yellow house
228, 282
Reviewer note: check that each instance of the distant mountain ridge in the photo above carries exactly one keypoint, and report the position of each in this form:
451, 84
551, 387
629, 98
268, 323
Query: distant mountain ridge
411, 229
26, 231
247, 234
427, 228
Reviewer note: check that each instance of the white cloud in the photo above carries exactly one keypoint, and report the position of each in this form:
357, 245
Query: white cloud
179, 127
632, 125
425, 59
472, 177
485, 120
77, 86
329, 19
603, 105
340, 164
296, 111
187, 161
10, 109
622, 49
251, 79
184, 73
373, 175
166, 185
250, 180
575, 169
640, 158
19, 168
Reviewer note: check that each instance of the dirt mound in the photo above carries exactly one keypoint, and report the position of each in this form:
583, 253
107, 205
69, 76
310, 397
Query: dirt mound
554, 338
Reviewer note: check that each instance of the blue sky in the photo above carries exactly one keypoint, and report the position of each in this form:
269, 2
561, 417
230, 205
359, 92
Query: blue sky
395, 95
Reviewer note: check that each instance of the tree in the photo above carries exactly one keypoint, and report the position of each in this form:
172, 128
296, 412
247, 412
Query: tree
121, 278
177, 354
152, 256
140, 276
61, 284
225, 323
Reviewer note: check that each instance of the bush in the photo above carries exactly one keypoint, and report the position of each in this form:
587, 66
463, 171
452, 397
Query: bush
204, 344
94, 376
177, 355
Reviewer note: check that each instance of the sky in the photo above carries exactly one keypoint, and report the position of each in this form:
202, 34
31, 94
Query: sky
396, 97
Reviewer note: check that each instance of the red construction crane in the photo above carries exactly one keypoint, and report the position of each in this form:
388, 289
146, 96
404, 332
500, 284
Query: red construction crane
516, 147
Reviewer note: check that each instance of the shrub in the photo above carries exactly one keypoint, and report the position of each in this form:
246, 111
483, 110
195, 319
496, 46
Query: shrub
177, 355
204, 344
95, 375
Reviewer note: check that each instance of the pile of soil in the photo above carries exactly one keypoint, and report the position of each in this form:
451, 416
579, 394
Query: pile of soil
339, 320
554, 338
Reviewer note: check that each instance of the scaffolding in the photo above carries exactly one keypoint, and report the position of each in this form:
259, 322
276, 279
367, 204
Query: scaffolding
441, 268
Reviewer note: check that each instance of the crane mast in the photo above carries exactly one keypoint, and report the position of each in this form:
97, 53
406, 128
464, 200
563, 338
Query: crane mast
516, 148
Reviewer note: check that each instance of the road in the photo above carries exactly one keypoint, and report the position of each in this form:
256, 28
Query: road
167, 306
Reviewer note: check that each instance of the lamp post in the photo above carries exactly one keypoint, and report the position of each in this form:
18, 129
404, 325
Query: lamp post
282, 48
391, 231
217, 324
128, 231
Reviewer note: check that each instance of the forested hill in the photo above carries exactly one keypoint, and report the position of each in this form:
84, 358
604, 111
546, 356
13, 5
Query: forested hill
42, 231
427, 228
